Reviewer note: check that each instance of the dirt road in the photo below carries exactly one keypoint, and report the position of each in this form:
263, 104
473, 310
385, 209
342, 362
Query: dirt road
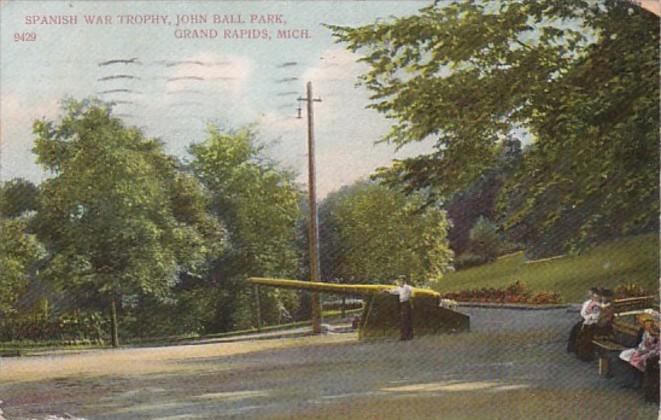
512, 365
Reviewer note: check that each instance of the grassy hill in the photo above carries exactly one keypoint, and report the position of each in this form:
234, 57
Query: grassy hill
632, 259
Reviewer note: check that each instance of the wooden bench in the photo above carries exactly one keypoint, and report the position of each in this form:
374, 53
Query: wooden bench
626, 333
625, 336
633, 305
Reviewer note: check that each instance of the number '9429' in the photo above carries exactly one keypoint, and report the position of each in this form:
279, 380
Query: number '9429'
25, 36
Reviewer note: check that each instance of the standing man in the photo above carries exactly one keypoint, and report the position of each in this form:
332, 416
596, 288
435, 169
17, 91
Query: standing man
404, 291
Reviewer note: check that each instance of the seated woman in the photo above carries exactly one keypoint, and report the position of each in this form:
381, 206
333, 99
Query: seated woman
586, 311
604, 325
647, 350
580, 337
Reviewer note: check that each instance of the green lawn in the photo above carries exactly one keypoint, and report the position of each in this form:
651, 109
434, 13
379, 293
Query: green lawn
632, 259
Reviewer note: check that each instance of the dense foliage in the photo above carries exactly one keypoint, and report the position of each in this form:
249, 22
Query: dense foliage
19, 254
17, 196
484, 240
119, 218
20, 251
258, 203
579, 78
370, 233
480, 198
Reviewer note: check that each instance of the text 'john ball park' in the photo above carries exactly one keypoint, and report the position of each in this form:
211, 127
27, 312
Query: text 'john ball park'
252, 26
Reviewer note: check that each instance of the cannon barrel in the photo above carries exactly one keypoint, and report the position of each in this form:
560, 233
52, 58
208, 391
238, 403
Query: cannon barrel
342, 289
381, 313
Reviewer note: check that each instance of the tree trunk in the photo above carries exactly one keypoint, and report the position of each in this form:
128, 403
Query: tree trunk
114, 336
258, 307
344, 307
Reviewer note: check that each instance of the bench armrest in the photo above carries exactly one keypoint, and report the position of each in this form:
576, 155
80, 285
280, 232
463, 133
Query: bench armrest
608, 345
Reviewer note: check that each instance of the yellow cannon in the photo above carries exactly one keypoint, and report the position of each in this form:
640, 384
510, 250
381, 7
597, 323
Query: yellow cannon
380, 317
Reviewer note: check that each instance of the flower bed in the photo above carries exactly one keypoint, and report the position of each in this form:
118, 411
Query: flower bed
628, 290
517, 292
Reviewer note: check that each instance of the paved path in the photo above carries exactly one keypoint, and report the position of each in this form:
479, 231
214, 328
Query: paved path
511, 365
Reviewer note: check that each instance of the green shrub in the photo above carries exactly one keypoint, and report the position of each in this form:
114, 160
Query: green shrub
70, 327
484, 240
468, 260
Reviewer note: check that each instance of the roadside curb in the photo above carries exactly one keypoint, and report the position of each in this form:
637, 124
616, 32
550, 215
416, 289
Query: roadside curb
233, 339
251, 337
293, 334
519, 306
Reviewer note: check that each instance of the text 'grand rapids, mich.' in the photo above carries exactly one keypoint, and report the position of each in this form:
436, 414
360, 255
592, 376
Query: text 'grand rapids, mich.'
223, 26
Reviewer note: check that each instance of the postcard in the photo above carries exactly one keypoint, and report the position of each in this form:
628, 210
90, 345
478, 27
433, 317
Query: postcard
329, 209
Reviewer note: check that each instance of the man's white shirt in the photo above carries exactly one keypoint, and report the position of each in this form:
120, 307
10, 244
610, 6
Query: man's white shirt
404, 292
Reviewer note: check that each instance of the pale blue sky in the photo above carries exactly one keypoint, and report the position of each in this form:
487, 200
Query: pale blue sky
247, 83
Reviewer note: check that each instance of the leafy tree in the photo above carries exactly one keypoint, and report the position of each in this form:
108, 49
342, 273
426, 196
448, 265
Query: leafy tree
480, 198
369, 232
595, 174
580, 77
119, 216
468, 206
258, 203
484, 240
19, 252
16, 197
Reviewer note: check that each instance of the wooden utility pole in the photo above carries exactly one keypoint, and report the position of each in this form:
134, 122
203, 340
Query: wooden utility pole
114, 335
314, 229
258, 307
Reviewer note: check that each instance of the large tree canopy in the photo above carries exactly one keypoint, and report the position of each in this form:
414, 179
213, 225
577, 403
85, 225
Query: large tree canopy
594, 171
118, 215
580, 78
258, 202
369, 232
